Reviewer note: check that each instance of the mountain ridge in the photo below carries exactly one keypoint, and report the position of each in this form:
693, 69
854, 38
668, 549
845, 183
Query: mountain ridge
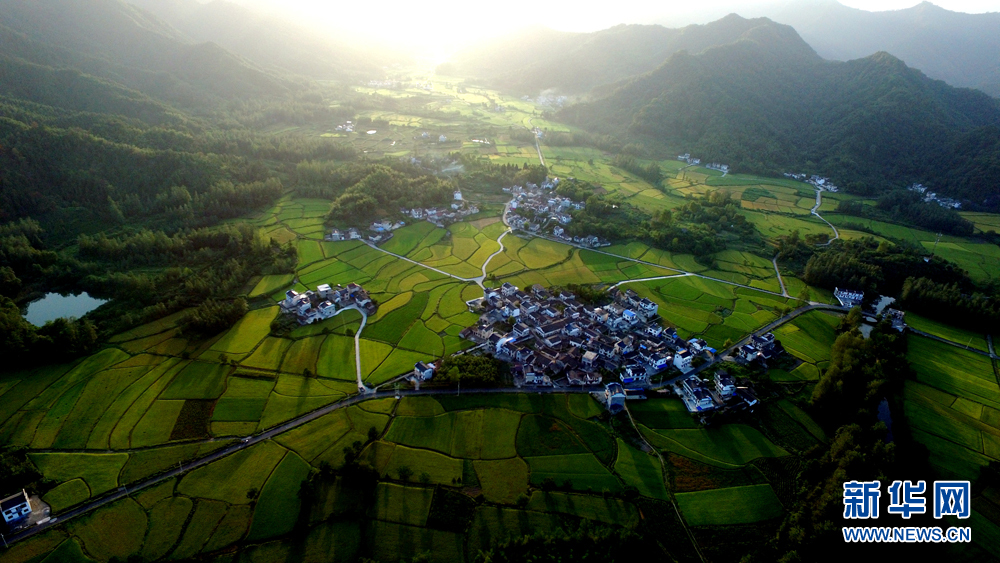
762, 104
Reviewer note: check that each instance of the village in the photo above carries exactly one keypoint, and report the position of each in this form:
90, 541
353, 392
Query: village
551, 339
381, 231
691, 161
819, 182
533, 210
326, 302
931, 197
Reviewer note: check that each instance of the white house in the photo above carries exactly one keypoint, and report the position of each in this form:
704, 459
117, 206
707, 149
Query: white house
682, 360
724, 385
614, 396
423, 371
16, 510
442, 139
458, 195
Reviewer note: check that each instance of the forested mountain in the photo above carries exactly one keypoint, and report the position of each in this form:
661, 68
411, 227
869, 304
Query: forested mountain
121, 43
961, 49
266, 40
538, 59
767, 103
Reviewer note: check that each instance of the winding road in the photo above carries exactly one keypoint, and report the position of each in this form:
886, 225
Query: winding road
815, 211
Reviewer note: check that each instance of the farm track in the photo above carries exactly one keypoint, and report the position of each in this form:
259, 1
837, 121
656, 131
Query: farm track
965, 347
815, 211
784, 292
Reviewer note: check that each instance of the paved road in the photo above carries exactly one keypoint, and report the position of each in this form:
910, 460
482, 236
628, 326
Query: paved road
431, 268
815, 211
784, 292
662, 267
651, 279
482, 278
965, 347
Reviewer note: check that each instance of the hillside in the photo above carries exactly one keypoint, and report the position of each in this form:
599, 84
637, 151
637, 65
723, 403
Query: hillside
539, 59
124, 44
961, 49
767, 103
265, 40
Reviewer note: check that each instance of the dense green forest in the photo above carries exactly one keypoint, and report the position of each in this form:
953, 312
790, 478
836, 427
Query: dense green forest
767, 104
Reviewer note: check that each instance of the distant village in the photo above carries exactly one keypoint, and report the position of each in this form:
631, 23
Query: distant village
687, 158
326, 302
931, 197
817, 181
381, 231
534, 210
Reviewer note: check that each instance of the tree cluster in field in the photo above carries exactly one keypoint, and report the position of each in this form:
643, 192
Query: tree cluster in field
213, 316
862, 373
473, 371
482, 174
908, 207
701, 227
384, 188
24, 344
948, 303
589, 542
650, 172
872, 266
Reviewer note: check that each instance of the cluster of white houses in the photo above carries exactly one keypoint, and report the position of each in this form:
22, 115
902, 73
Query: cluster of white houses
324, 303
547, 336
533, 210
686, 157
381, 231
849, 297
697, 394
931, 197
818, 181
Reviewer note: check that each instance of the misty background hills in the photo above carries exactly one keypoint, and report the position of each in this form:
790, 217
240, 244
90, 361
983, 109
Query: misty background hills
961, 49
768, 103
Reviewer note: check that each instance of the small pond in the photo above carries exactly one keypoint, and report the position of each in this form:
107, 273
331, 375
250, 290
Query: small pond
54, 306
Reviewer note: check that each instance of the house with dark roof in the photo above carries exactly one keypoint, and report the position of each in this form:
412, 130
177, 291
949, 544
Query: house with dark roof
16, 510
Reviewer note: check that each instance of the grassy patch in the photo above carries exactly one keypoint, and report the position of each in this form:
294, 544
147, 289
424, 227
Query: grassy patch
278, 507
404, 505
640, 470
231, 477
113, 531
504, 480
67, 494
729, 445
736, 505
100, 471
198, 380
166, 522
581, 471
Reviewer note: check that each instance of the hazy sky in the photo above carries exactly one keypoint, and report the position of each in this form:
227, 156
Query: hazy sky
446, 24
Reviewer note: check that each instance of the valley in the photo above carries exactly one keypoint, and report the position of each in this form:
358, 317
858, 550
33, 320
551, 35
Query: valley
362, 311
